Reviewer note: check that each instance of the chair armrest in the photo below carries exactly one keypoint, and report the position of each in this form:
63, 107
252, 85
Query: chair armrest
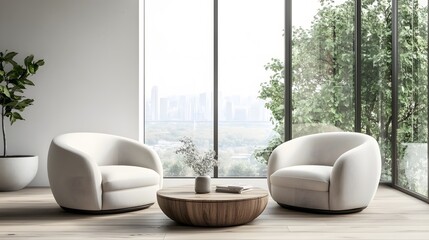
355, 177
74, 178
134, 153
290, 153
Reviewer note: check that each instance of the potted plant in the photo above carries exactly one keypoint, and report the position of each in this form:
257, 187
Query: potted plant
202, 165
16, 171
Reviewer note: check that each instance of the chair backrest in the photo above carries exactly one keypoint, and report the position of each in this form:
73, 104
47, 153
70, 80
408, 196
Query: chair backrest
326, 148
102, 148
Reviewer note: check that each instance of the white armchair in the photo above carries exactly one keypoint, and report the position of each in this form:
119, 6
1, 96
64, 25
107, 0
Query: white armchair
101, 173
328, 172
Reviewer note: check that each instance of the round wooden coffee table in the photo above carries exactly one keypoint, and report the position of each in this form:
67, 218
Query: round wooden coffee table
213, 209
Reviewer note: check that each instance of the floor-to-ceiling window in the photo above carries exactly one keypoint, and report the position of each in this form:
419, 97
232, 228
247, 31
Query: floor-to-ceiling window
392, 79
412, 133
250, 40
180, 65
376, 77
322, 66
178, 77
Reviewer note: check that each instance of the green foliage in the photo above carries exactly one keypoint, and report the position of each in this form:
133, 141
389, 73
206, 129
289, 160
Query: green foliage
273, 94
176, 168
323, 61
241, 169
13, 82
322, 65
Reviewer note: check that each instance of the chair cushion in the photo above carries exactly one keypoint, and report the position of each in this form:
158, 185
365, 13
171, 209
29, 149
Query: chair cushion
119, 177
309, 177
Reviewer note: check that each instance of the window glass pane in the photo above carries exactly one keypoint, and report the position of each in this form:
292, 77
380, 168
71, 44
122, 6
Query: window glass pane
413, 80
322, 66
178, 77
376, 78
251, 52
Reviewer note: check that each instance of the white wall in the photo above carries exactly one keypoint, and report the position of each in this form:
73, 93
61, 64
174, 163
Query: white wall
90, 79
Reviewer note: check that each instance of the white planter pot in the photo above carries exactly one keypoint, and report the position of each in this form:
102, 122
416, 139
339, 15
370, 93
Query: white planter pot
202, 184
16, 172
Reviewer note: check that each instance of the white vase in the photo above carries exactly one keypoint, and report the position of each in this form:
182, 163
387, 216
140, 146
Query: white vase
202, 184
16, 172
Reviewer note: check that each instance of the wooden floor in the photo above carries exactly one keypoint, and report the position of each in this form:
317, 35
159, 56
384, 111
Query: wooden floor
33, 214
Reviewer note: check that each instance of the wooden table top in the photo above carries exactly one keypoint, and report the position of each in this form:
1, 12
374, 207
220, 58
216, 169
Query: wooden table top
187, 193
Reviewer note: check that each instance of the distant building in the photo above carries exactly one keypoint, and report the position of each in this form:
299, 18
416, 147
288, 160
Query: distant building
240, 114
154, 102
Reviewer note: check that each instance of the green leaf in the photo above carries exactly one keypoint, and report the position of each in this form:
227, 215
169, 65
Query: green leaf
17, 89
12, 74
5, 91
27, 82
10, 56
28, 60
23, 104
15, 116
31, 69
40, 62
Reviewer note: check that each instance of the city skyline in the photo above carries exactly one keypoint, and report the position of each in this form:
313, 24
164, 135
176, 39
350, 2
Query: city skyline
199, 107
